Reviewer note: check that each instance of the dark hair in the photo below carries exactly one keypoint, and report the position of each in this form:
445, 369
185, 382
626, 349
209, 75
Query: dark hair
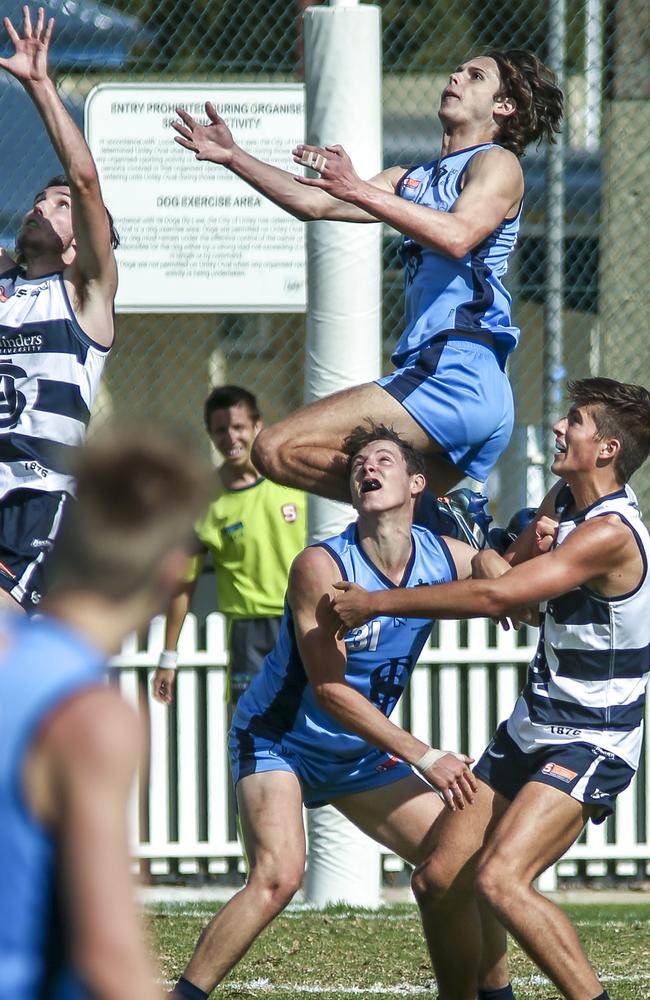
622, 411
538, 99
225, 396
60, 180
139, 491
360, 436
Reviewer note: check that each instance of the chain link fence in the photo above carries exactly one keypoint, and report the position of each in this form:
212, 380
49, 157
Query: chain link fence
164, 364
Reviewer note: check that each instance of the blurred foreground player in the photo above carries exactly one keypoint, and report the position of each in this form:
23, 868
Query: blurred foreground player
69, 743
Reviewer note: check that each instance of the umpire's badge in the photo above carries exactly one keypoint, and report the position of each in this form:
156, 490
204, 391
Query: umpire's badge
289, 512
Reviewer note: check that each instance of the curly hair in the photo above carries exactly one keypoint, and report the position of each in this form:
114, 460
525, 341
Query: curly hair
538, 99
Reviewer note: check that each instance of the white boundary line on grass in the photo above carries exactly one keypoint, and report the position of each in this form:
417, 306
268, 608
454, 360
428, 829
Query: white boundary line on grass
265, 986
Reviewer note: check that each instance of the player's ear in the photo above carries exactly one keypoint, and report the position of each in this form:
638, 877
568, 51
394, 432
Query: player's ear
609, 449
418, 484
504, 106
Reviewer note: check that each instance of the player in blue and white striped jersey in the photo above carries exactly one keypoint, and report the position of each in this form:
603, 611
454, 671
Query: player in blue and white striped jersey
573, 740
56, 328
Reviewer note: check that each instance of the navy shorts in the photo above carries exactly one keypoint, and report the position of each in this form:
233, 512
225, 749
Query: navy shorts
457, 391
249, 642
323, 778
584, 771
29, 521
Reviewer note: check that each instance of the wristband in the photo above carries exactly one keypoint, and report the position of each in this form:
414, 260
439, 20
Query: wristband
428, 758
168, 659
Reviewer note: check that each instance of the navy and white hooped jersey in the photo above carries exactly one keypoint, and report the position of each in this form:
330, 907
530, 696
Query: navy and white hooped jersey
443, 294
43, 663
381, 655
49, 373
587, 681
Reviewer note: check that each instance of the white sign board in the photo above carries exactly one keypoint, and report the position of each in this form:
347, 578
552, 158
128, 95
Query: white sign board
194, 237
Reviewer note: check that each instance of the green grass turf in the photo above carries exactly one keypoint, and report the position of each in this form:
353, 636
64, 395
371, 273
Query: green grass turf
352, 954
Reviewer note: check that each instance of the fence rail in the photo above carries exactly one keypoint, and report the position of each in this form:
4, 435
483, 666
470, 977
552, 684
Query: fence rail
182, 811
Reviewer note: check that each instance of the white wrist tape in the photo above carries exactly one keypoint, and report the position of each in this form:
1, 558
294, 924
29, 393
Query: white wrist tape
428, 758
168, 659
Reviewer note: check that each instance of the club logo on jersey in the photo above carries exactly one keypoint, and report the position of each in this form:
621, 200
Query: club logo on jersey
558, 771
289, 512
387, 681
12, 401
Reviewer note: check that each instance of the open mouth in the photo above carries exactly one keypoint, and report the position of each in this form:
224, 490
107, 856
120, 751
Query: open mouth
370, 485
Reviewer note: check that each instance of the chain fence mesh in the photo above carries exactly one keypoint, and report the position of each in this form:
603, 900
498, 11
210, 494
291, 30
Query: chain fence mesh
164, 364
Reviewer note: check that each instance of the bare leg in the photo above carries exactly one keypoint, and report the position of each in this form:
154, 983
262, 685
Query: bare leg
270, 809
401, 816
444, 889
8, 603
304, 450
540, 825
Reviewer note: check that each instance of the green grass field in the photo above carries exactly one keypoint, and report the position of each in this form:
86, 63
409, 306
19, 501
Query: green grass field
352, 954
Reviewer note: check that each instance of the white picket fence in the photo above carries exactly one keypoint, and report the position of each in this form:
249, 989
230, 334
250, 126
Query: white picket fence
467, 679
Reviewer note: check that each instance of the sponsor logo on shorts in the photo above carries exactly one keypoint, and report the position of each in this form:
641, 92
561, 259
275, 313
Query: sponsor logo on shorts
41, 543
388, 765
598, 794
289, 512
558, 771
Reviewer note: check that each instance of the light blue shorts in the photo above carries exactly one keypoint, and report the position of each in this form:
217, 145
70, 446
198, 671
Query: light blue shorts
322, 778
459, 394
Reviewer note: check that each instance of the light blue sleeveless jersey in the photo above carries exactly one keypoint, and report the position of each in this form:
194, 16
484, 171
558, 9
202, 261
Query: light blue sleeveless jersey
381, 655
441, 293
42, 664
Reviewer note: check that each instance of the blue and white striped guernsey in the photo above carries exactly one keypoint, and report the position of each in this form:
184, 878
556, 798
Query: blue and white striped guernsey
442, 293
49, 374
587, 681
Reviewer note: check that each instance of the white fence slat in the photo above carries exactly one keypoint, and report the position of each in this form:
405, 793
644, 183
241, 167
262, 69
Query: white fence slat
188, 805
218, 770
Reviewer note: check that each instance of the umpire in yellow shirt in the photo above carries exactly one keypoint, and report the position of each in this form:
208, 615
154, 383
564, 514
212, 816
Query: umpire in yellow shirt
254, 529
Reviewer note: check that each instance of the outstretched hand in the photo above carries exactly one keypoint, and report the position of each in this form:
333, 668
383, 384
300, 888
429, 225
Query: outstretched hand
351, 606
29, 62
212, 142
337, 175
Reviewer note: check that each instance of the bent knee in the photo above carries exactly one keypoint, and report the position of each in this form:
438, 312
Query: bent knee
275, 890
430, 882
493, 881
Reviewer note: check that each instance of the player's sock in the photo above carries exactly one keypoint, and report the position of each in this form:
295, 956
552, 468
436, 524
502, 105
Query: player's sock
602, 996
430, 514
185, 990
503, 993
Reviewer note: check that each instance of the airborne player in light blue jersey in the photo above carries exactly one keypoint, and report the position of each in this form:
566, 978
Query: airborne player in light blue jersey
459, 215
313, 727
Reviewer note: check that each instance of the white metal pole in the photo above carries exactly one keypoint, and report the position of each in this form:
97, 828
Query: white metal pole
593, 72
343, 90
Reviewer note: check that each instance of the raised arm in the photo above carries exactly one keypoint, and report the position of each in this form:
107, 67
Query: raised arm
94, 261
493, 191
90, 749
214, 142
601, 552
323, 655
